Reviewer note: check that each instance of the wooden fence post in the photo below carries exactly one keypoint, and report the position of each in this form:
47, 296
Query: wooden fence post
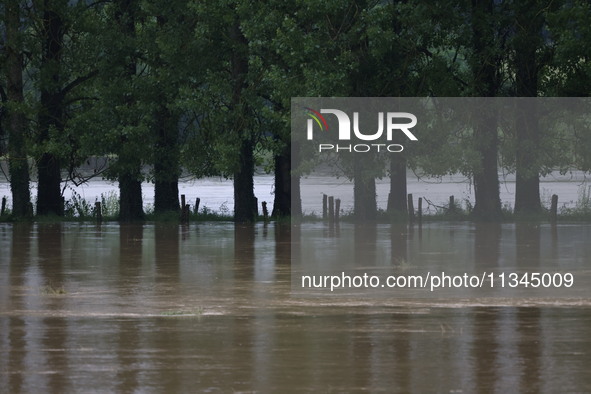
186, 213
98, 211
420, 210
554, 208
411, 209
389, 204
184, 210
265, 211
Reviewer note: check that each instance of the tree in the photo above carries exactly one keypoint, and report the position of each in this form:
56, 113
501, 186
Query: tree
245, 204
165, 78
126, 134
166, 160
569, 70
230, 115
60, 67
568, 73
528, 40
404, 58
485, 63
336, 28
282, 58
171, 61
14, 100
51, 112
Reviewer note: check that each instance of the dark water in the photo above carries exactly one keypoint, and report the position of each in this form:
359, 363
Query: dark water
209, 307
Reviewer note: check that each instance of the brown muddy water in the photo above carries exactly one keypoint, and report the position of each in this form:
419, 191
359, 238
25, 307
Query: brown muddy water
210, 308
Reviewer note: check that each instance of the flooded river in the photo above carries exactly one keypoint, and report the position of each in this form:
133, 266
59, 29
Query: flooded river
211, 308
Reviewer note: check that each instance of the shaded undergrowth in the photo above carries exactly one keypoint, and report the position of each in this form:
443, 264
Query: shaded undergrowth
78, 208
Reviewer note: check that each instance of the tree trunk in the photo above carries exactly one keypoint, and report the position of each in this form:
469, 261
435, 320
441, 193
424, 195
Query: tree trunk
486, 179
484, 65
296, 195
130, 195
364, 183
282, 201
129, 165
245, 206
17, 155
527, 193
49, 199
527, 181
166, 163
364, 190
398, 190
166, 152
528, 39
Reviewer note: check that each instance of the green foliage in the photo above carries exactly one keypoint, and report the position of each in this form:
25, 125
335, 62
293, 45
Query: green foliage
582, 209
569, 72
207, 214
77, 206
110, 204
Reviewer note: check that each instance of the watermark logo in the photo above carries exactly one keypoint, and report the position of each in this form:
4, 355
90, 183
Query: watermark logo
388, 122
318, 118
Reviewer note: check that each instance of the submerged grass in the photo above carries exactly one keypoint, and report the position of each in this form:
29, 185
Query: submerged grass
209, 215
7, 217
52, 290
78, 208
